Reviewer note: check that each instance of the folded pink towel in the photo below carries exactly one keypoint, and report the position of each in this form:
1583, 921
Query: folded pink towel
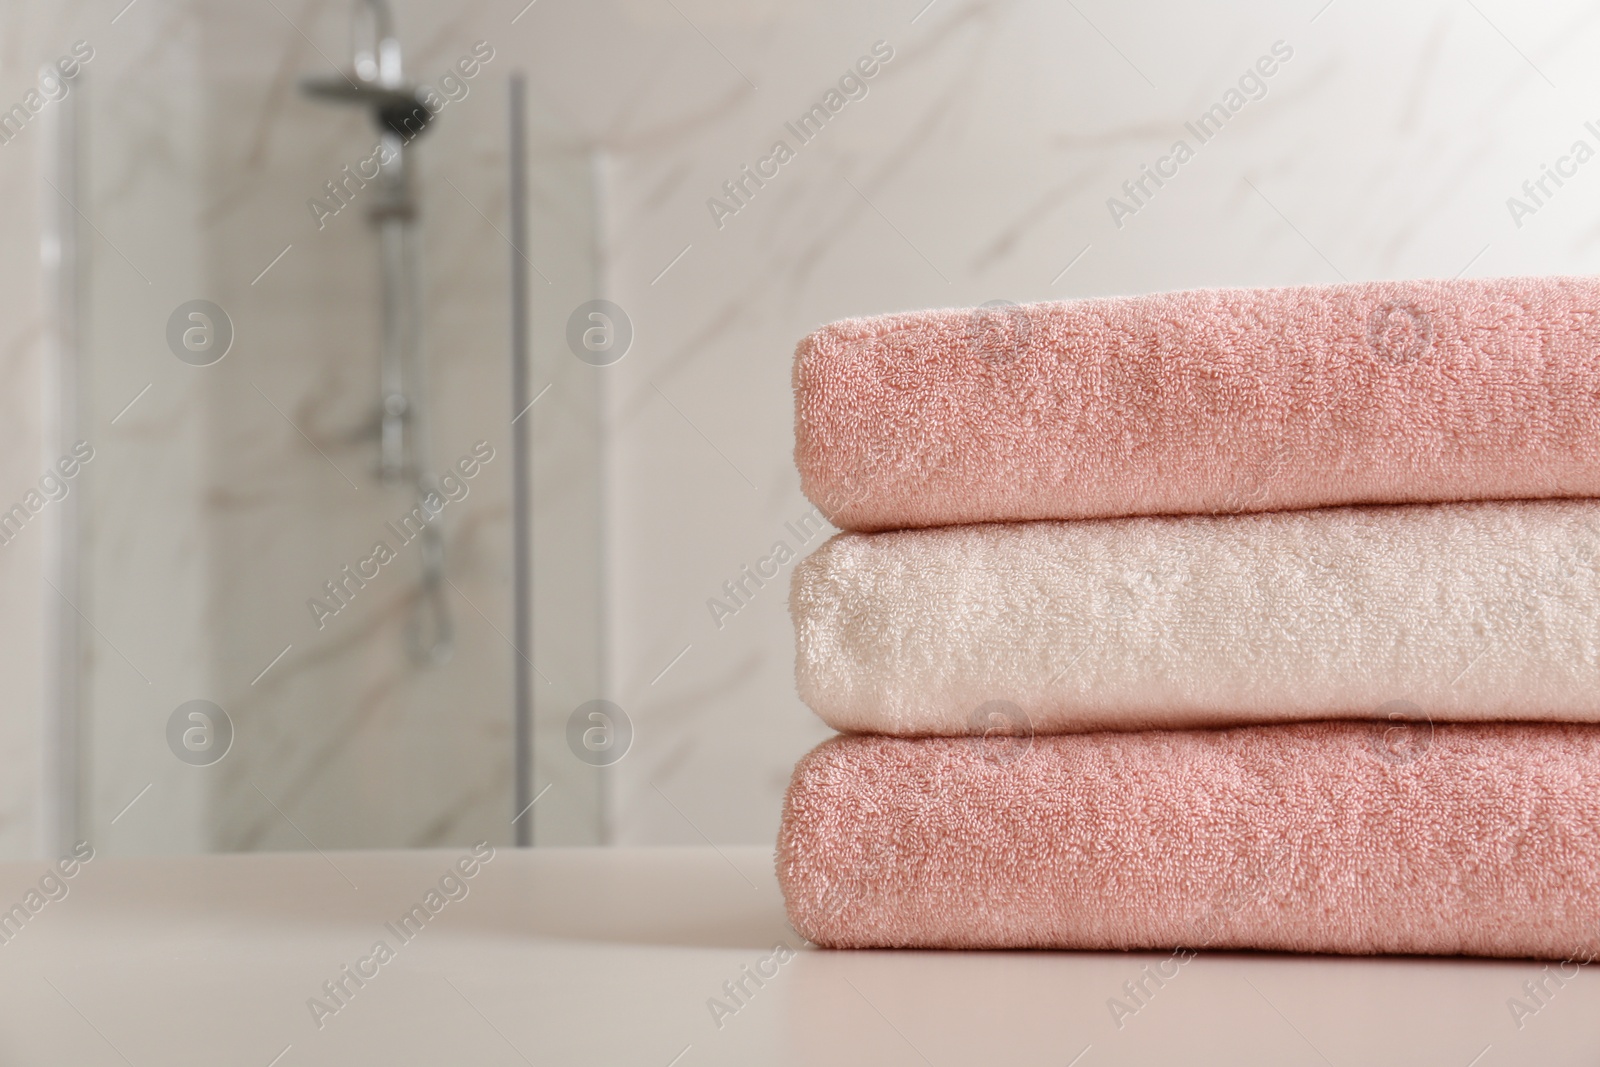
1219, 400
1476, 612
1325, 837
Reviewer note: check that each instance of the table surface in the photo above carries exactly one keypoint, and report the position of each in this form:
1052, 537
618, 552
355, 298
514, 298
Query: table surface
620, 956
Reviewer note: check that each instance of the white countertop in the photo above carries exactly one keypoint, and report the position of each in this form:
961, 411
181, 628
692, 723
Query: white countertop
589, 956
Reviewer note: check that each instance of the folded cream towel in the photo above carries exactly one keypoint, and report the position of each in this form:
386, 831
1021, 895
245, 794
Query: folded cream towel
1324, 837
1469, 611
1217, 400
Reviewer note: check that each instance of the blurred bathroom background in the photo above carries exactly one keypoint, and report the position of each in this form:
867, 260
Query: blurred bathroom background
982, 160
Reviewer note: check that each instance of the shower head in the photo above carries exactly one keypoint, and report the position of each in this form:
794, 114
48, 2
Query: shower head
375, 82
399, 109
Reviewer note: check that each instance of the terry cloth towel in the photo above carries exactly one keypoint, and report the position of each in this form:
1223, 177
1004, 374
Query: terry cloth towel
1325, 837
1222, 400
1474, 612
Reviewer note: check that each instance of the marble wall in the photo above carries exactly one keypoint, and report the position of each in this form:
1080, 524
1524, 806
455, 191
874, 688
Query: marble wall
978, 167
979, 164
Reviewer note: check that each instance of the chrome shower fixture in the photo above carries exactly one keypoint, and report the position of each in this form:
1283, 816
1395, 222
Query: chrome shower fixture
376, 81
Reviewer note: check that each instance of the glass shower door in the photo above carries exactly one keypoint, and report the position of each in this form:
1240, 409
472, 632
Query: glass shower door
248, 673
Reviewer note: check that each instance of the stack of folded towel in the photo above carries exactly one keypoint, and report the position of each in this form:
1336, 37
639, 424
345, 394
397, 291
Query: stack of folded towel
1235, 618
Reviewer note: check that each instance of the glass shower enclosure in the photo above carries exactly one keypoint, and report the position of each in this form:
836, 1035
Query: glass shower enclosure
281, 611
